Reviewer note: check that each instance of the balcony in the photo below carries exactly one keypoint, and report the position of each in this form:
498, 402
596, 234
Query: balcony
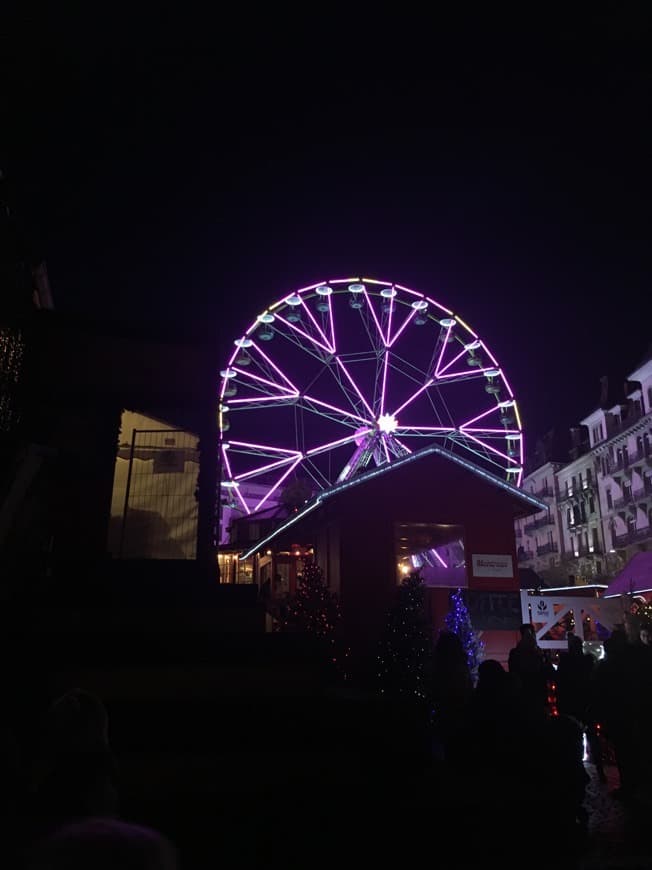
525, 556
633, 536
544, 549
529, 528
622, 501
642, 453
545, 491
644, 492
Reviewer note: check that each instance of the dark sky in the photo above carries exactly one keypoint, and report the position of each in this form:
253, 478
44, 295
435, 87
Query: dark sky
186, 171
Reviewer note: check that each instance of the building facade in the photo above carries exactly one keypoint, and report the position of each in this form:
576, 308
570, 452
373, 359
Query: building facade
600, 502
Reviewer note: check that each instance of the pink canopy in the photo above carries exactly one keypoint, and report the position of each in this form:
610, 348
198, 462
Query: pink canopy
635, 577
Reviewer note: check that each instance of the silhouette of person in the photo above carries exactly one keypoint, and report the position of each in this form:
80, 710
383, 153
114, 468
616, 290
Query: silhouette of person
528, 664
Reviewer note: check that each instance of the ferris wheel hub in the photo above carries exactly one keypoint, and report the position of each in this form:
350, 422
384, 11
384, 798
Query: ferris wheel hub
387, 423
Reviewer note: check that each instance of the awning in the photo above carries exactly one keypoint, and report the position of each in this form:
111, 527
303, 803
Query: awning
635, 577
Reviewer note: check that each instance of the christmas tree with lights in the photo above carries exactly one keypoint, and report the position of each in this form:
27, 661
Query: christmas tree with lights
315, 610
406, 643
458, 620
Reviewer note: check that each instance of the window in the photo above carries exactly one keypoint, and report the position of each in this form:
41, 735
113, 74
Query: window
591, 505
610, 501
569, 518
649, 398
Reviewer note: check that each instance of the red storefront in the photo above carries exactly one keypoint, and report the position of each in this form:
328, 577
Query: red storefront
433, 511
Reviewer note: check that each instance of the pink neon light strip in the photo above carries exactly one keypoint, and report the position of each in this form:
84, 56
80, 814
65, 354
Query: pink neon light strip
310, 338
427, 298
413, 397
437, 556
343, 281
443, 348
400, 443
384, 387
269, 467
497, 431
373, 314
438, 371
405, 430
509, 389
519, 478
389, 319
339, 410
489, 447
469, 373
338, 443
254, 377
264, 447
400, 330
310, 287
242, 501
479, 417
277, 484
354, 385
227, 464
491, 356
332, 323
279, 398
316, 324
275, 367
386, 450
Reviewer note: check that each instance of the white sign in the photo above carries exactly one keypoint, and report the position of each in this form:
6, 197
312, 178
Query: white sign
490, 565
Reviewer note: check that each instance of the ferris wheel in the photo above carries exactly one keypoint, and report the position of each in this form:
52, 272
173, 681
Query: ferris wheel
351, 373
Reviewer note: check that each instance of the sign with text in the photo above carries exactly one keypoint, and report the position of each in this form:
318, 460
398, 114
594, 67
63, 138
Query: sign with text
492, 565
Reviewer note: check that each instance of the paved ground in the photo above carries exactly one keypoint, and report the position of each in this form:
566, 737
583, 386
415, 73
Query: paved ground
619, 836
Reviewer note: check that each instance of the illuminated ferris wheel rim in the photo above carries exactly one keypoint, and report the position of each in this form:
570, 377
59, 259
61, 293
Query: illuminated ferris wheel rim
376, 426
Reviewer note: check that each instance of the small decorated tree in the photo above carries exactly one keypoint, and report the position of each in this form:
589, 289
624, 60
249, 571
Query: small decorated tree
406, 643
458, 620
315, 610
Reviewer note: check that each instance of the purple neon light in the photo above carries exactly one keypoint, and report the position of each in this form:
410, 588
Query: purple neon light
405, 430
509, 389
404, 446
413, 397
266, 447
443, 348
491, 356
466, 374
489, 447
269, 383
242, 501
384, 387
373, 314
497, 431
282, 397
269, 467
423, 296
227, 464
276, 368
400, 330
436, 554
354, 385
386, 450
438, 371
339, 410
332, 325
338, 443
389, 320
479, 417
277, 484
310, 338
316, 324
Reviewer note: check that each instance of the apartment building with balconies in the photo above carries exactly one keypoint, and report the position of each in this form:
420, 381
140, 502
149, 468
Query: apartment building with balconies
539, 543
621, 443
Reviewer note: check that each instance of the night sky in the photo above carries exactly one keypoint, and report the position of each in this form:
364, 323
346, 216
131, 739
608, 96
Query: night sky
184, 172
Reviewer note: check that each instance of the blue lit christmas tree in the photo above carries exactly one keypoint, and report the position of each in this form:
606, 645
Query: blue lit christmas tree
406, 643
458, 620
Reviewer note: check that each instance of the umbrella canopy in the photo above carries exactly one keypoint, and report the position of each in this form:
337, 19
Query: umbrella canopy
635, 577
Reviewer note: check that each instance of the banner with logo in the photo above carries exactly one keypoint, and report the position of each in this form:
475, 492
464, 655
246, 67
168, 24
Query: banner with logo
492, 565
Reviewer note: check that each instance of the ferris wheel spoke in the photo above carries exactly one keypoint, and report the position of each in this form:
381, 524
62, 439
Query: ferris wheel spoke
354, 385
425, 431
379, 328
273, 489
295, 330
263, 469
330, 445
330, 345
340, 411
411, 399
468, 375
270, 362
260, 383
487, 446
397, 333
